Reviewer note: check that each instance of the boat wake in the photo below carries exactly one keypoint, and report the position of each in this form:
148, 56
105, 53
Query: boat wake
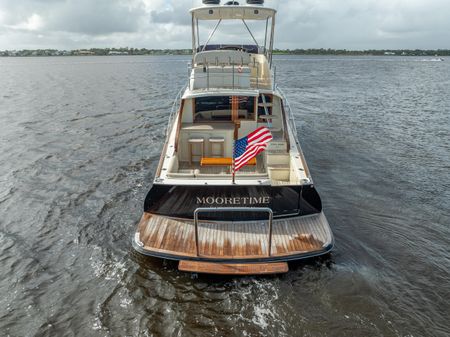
258, 298
437, 59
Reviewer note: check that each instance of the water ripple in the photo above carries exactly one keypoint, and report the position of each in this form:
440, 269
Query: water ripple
80, 140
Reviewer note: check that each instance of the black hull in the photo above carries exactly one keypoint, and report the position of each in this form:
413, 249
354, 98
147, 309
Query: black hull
180, 201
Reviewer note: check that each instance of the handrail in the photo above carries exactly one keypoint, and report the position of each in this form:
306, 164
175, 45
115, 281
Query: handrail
292, 125
175, 107
209, 79
286, 134
231, 74
233, 209
274, 77
288, 110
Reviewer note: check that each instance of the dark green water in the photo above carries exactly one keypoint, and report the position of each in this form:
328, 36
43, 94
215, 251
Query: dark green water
79, 142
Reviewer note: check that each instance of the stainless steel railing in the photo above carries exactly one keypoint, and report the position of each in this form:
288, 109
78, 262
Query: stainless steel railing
230, 77
233, 209
289, 114
175, 107
293, 127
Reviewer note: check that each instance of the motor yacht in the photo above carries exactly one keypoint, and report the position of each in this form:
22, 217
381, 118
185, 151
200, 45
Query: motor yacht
200, 210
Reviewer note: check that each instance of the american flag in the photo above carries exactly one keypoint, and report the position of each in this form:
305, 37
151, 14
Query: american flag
250, 146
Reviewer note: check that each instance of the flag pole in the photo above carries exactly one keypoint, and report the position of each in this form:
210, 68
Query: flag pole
233, 181
233, 178
234, 117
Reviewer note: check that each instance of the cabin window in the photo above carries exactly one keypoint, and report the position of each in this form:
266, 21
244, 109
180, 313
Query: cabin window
219, 108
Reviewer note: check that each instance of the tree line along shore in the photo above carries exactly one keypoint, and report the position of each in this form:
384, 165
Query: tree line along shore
144, 51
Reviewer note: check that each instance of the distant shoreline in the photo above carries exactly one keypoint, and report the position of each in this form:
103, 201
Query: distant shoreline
162, 52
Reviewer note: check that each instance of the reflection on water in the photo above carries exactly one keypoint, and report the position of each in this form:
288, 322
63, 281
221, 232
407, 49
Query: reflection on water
80, 140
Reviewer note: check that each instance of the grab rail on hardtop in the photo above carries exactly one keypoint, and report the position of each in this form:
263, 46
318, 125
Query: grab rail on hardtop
233, 209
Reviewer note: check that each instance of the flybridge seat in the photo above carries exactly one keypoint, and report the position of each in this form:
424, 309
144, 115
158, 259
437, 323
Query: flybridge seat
222, 57
249, 48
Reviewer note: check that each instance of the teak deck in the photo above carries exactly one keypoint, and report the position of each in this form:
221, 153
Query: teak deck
234, 269
220, 241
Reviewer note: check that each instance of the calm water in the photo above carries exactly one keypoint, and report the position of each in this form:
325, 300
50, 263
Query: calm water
79, 143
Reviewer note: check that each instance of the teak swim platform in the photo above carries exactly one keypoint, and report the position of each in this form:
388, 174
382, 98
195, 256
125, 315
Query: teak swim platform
203, 212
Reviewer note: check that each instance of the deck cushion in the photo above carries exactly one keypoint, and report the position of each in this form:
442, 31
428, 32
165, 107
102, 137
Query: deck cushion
206, 161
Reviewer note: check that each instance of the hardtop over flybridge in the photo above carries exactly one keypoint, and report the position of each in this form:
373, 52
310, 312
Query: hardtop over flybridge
232, 193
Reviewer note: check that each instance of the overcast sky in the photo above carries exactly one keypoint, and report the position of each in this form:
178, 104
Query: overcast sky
350, 24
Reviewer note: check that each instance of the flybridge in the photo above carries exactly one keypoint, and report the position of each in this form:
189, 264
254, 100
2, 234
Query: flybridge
252, 10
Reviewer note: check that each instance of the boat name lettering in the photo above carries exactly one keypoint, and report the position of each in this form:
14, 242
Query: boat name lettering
233, 200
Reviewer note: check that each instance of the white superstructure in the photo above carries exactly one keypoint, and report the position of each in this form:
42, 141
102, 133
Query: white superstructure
219, 73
